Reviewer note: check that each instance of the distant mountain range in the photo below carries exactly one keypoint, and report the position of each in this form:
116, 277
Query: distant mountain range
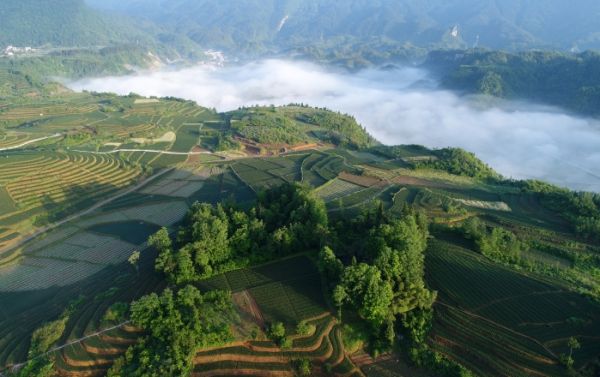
72, 24
256, 25
259, 26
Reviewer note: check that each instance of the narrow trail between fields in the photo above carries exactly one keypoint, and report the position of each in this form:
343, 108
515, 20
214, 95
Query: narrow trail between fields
16, 367
29, 142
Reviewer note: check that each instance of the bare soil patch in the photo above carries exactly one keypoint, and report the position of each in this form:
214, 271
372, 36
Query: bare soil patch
361, 180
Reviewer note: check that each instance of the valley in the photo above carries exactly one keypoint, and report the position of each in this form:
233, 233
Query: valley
284, 188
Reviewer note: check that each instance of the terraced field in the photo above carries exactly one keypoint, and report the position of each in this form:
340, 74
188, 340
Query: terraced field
52, 184
54, 180
301, 298
483, 304
13, 139
336, 189
261, 173
260, 358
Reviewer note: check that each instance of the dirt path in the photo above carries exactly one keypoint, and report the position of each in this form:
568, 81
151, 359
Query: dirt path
29, 142
47, 228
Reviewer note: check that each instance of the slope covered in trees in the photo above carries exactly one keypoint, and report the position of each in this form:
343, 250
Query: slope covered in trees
63, 23
554, 78
253, 25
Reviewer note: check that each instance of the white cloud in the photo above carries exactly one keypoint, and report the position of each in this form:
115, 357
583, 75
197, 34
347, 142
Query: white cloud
397, 107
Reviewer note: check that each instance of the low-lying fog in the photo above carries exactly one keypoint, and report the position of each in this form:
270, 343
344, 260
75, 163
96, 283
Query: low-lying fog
397, 107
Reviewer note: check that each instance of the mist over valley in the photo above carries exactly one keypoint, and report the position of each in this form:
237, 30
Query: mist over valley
397, 106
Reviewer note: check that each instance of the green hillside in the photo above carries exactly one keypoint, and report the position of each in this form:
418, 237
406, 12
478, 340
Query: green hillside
332, 245
571, 81
63, 23
253, 25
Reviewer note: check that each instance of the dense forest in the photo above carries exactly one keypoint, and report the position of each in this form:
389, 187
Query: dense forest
571, 81
252, 25
294, 124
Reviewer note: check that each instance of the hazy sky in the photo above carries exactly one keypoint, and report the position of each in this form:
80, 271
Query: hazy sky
518, 140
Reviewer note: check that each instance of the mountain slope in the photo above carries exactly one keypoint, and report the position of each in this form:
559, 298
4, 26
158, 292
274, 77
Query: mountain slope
63, 23
252, 24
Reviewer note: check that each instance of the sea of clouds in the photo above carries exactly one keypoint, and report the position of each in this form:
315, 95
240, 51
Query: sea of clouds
401, 106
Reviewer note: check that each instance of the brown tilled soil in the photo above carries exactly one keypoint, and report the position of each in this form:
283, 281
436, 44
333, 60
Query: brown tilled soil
421, 182
361, 359
102, 351
116, 340
244, 372
204, 359
361, 180
86, 363
83, 373
247, 305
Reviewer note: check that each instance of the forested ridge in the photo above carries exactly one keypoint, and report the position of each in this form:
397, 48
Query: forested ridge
561, 79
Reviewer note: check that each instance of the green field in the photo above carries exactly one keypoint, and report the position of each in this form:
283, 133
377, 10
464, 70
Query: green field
497, 321
286, 291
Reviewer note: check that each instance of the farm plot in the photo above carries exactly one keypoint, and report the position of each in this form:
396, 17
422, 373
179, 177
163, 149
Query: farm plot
181, 183
13, 139
163, 213
135, 232
495, 206
41, 273
337, 188
28, 112
261, 173
519, 323
323, 347
57, 180
89, 247
287, 290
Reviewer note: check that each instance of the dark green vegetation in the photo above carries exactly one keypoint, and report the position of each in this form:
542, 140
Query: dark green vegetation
62, 23
253, 25
571, 81
530, 318
216, 239
63, 30
177, 324
295, 125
